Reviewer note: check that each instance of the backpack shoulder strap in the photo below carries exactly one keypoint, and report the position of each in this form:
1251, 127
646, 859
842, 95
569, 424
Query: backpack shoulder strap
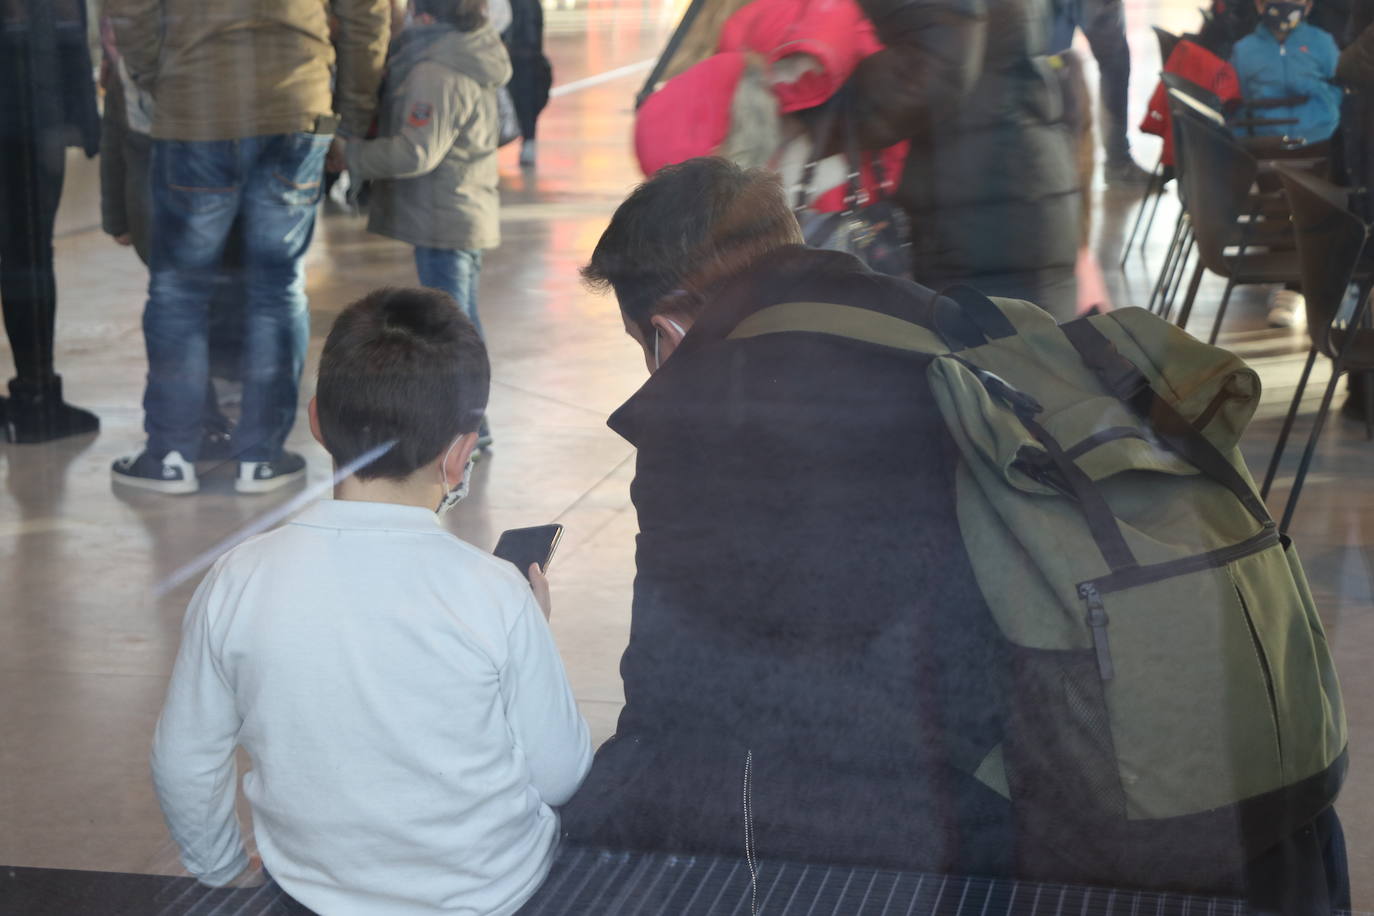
964, 318
847, 321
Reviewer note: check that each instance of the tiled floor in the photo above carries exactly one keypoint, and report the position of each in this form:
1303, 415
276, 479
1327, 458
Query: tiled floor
93, 580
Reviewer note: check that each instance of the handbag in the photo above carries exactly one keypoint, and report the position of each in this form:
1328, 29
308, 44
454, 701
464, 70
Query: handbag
877, 232
508, 129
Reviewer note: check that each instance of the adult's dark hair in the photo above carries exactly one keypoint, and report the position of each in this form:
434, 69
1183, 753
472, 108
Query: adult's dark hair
466, 15
401, 366
684, 230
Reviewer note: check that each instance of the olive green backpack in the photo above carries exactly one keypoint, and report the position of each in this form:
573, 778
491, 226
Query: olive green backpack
1174, 709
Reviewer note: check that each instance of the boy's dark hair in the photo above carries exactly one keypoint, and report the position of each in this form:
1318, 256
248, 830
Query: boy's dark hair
403, 366
685, 229
466, 15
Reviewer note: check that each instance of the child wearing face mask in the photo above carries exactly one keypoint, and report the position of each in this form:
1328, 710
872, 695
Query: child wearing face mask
1288, 66
409, 721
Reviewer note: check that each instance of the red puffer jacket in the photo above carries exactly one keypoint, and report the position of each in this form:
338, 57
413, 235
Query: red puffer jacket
690, 115
835, 32
1193, 62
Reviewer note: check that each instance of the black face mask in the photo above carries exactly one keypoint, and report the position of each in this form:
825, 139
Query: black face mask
1284, 16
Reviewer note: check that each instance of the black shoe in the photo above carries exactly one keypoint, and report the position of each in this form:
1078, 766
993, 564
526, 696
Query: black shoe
169, 473
36, 413
266, 476
216, 442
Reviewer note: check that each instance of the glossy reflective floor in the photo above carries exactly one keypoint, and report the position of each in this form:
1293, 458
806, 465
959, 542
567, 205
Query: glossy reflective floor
93, 581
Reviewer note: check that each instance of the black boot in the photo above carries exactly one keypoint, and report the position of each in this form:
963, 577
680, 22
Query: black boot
37, 413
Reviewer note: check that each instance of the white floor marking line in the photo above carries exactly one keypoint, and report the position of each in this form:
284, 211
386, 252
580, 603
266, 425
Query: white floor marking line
598, 79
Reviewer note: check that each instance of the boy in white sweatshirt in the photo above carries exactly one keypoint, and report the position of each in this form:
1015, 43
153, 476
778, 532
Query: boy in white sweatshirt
408, 717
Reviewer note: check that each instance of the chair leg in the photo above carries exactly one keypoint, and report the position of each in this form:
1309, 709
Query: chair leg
1288, 425
1154, 209
1303, 466
1150, 189
1368, 381
1221, 311
1187, 252
1192, 295
1161, 282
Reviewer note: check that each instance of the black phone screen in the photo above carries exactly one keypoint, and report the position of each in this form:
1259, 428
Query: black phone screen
524, 546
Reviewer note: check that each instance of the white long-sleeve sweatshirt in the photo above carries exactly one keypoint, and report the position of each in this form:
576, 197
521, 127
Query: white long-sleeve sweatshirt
407, 714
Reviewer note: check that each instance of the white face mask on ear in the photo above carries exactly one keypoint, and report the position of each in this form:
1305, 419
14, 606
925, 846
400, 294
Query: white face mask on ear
454, 496
658, 336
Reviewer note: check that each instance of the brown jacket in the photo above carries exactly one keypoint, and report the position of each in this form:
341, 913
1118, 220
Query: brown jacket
229, 69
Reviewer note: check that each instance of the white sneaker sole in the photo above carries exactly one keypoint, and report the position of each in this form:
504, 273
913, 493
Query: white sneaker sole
168, 487
251, 486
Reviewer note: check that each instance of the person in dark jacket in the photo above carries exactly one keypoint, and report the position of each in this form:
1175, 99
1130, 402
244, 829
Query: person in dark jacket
47, 103
533, 74
810, 662
991, 182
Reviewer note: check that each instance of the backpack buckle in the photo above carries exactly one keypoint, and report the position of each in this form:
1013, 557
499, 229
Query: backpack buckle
1123, 380
1121, 377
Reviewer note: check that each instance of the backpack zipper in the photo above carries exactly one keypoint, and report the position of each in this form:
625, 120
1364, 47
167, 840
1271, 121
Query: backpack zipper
1097, 622
1092, 591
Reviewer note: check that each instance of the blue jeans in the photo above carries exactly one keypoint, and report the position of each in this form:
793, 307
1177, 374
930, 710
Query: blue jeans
1104, 24
456, 272
271, 184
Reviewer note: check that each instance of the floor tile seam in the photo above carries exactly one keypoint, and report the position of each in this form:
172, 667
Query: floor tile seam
593, 488
581, 408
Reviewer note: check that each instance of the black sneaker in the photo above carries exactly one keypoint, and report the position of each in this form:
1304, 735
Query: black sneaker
170, 473
36, 413
266, 476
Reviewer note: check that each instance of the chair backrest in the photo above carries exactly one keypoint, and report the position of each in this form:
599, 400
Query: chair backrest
1330, 241
1167, 42
1204, 101
1215, 185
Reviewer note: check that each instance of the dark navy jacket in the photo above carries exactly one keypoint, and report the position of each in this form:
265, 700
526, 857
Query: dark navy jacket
803, 601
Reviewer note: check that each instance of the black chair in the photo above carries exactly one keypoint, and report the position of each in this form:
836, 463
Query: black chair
1267, 218
1216, 184
1167, 42
1180, 96
1332, 245
1154, 191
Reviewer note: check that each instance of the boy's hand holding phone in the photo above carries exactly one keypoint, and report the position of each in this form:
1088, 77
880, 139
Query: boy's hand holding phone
530, 550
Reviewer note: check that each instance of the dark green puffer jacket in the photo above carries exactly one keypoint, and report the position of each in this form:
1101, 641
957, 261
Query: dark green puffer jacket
991, 184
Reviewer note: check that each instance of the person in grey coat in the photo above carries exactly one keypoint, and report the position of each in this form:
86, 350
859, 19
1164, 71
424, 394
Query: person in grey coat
433, 167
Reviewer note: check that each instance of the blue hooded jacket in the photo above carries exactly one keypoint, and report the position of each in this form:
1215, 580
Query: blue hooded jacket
1304, 64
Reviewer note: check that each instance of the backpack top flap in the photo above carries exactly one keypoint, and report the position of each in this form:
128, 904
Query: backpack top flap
979, 390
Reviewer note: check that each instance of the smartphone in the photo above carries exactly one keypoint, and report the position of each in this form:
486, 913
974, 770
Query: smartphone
524, 546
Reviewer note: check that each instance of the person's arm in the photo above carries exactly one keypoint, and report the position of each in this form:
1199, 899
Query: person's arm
114, 213
540, 708
138, 35
364, 31
1317, 85
193, 753
434, 103
933, 58
1331, 90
